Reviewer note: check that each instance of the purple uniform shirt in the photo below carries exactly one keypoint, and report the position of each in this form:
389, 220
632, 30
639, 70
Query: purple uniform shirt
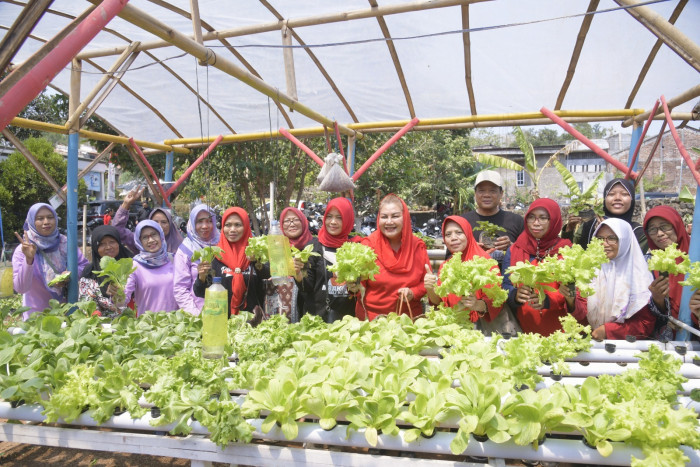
152, 288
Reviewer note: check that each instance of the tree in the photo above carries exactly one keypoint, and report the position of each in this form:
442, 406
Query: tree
595, 131
21, 185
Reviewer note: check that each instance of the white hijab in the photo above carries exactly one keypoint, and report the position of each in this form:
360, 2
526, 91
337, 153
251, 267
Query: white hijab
622, 285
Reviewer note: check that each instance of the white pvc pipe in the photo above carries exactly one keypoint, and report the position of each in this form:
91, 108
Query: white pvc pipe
553, 450
689, 370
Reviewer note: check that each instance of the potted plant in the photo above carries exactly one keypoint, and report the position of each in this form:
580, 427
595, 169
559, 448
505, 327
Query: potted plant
489, 233
585, 204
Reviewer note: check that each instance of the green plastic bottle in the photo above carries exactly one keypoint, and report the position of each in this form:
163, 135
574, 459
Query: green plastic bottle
280, 254
215, 320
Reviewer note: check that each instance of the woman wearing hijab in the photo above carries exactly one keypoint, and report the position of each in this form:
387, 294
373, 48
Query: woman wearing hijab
322, 295
201, 232
620, 305
618, 203
458, 237
41, 256
105, 241
238, 275
539, 240
401, 257
152, 281
664, 226
162, 216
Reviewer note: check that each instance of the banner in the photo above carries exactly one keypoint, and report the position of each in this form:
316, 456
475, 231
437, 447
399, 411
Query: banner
93, 180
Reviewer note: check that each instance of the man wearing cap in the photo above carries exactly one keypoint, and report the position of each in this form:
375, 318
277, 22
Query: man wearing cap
488, 191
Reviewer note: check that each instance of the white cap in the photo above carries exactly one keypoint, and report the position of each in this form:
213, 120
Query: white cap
489, 176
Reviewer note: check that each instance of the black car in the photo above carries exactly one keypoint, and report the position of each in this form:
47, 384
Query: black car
97, 209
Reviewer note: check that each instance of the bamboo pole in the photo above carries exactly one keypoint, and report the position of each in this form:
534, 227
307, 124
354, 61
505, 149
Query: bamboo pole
673, 37
288, 55
34, 161
686, 96
652, 55
100, 84
466, 40
395, 60
580, 39
53, 128
150, 24
328, 18
20, 30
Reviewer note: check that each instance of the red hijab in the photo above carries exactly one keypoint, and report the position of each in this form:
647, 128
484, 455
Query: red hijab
234, 256
302, 240
344, 206
526, 245
671, 216
400, 262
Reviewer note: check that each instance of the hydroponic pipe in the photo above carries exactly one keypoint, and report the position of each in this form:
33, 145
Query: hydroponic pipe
625, 356
643, 345
36, 79
687, 370
576, 134
194, 165
383, 148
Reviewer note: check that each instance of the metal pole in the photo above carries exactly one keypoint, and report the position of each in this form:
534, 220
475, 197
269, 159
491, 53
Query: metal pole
72, 215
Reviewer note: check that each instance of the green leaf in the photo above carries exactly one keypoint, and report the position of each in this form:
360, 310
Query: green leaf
496, 161
604, 447
666, 260
567, 178
59, 278
51, 324
527, 149
371, 436
207, 253
354, 261
459, 443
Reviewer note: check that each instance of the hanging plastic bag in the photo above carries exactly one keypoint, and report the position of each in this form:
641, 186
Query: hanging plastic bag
332, 176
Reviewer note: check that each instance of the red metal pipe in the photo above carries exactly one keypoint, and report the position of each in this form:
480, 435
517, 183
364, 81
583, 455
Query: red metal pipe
150, 169
194, 165
641, 140
384, 147
576, 134
681, 148
31, 84
301, 146
653, 151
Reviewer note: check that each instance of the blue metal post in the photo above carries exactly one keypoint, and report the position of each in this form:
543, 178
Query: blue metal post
694, 253
351, 169
636, 135
169, 162
72, 215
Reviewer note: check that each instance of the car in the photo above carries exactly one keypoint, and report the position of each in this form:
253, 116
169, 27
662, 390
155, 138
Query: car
97, 209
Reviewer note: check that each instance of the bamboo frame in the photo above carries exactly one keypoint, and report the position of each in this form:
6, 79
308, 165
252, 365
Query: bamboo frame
53, 128
395, 60
682, 98
652, 55
100, 84
466, 40
316, 61
34, 161
20, 30
580, 39
684, 46
383, 10
150, 24
147, 171
290, 77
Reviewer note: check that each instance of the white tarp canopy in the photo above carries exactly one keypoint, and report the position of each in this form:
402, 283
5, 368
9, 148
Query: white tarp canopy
520, 51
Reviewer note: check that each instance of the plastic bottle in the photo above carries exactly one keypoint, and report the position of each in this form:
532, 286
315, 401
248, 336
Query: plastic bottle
281, 262
215, 320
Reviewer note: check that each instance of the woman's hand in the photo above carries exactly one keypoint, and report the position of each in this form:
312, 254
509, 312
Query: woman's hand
659, 291
502, 243
112, 289
298, 266
28, 248
568, 296
203, 270
353, 287
572, 223
474, 304
133, 194
599, 333
430, 279
405, 292
523, 294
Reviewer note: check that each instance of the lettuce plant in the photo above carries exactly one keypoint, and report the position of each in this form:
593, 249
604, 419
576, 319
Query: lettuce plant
489, 229
116, 272
429, 407
257, 250
376, 413
666, 260
693, 277
576, 265
305, 254
355, 261
464, 278
207, 253
534, 276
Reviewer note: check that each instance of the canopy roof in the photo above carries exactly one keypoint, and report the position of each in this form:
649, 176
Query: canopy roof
388, 62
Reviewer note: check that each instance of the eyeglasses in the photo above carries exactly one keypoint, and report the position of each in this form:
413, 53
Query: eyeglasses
542, 220
291, 221
665, 228
611, 240
153, 236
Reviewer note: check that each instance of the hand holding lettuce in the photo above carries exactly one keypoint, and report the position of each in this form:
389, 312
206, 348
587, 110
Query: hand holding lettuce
465, 278
665, 261
355, 262
116, 272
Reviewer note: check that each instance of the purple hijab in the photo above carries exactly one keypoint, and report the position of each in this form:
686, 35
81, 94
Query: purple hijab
194, 242
52, 249
174, 238
151, 260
